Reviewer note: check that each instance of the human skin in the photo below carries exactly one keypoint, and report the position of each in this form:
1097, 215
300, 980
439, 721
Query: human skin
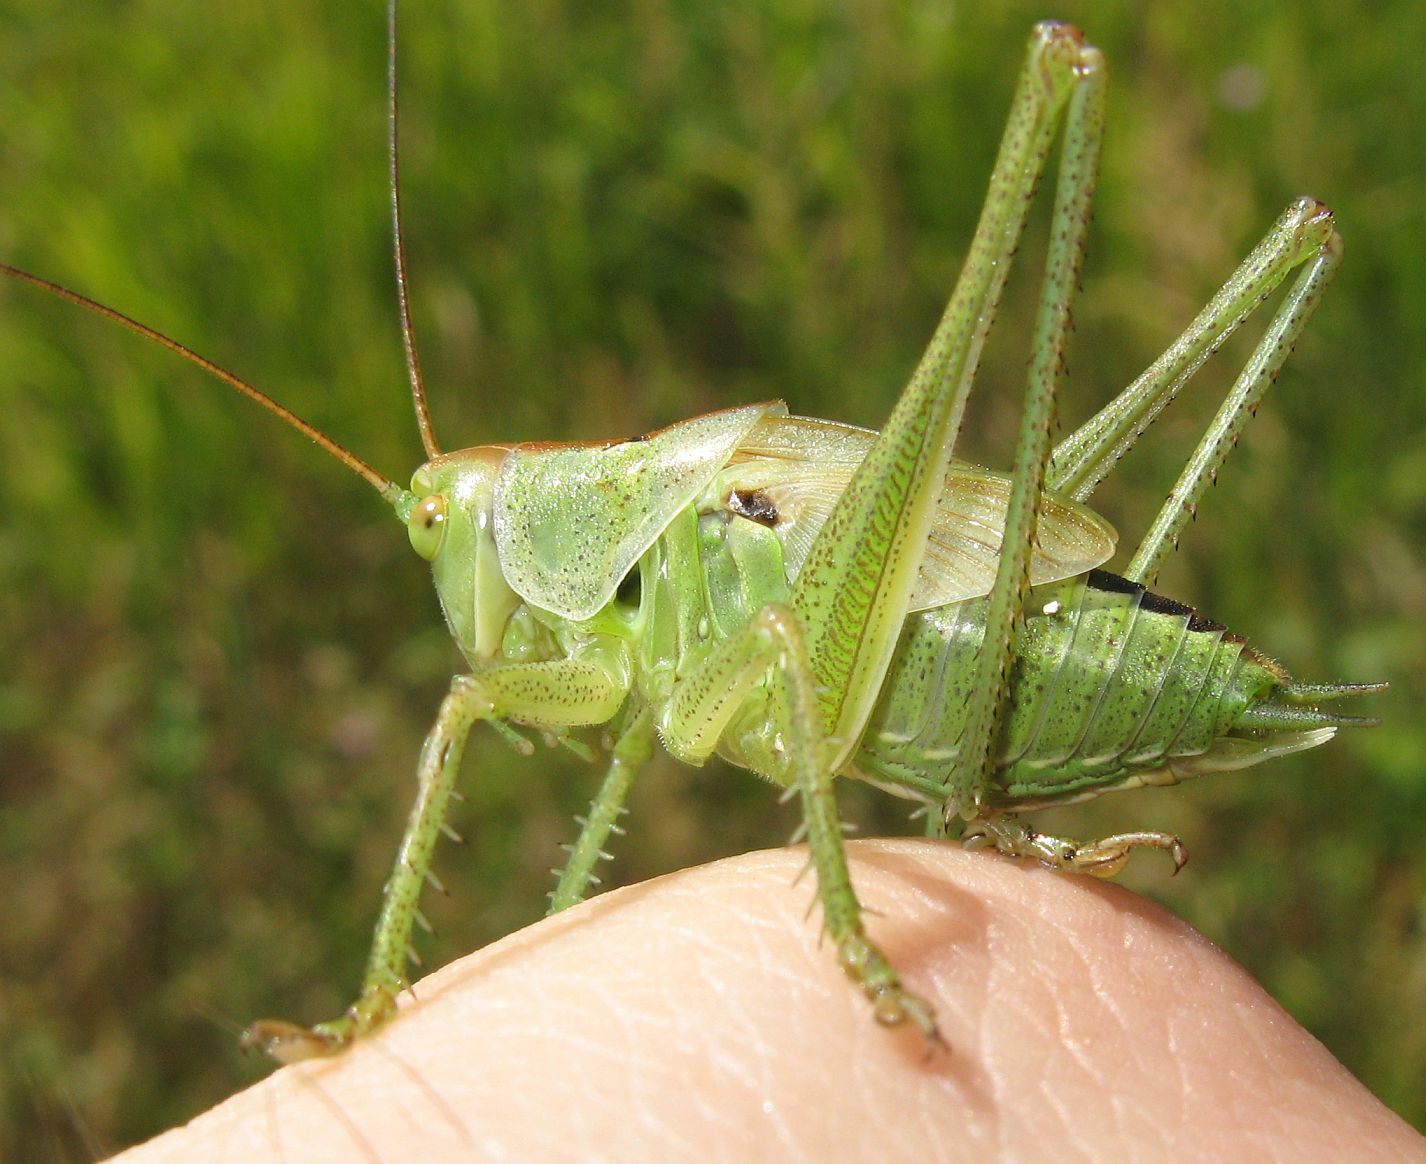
698, 1017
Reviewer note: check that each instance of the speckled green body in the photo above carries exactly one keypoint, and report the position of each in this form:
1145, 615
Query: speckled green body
1111, 687
813, 601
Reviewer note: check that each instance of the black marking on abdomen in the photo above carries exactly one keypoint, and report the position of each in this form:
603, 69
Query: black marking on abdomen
1158, 603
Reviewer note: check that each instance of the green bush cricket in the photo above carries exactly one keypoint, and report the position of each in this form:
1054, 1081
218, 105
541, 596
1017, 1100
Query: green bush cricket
762, 589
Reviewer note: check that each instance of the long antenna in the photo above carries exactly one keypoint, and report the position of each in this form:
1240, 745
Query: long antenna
408, 331
382, 484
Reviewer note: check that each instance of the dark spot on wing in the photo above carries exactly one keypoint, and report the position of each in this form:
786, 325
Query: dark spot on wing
755, 505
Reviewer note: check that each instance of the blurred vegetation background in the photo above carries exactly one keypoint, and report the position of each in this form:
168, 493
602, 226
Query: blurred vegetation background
220, 654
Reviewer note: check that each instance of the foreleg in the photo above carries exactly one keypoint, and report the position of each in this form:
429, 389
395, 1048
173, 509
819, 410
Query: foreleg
559, 693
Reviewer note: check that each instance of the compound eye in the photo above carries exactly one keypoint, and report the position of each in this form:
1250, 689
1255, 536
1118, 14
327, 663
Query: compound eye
426, 527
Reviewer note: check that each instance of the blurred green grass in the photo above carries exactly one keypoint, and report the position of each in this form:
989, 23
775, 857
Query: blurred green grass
220, 654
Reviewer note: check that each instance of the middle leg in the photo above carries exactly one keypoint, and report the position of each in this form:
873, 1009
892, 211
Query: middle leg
772, 649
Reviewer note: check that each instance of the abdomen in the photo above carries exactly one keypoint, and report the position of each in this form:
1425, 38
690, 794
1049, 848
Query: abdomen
1111, 686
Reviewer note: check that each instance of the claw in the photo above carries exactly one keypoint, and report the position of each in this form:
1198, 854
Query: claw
894, 1006
1101, 858
288, 1043
1104, 858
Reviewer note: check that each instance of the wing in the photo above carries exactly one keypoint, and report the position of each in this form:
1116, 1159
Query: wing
789, 471
571, 520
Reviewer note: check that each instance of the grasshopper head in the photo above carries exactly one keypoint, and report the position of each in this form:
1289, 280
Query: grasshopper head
451, 526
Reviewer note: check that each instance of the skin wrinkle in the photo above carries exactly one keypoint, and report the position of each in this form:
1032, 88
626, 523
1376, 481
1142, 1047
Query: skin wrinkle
1172, 1060
606, 1033
1070, 954
1185, 1032
746, 1113
643, 1030
1259, 1024
1264, 1027
767, 1094
721, 1066
1118, 1001
1018, 988
1009, 988
752, 930
751, 948
1237, 1097
747, 1093
626, 1061
611, 1063
1068, 1085
343, 1125
422, 1102
1123, 1110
